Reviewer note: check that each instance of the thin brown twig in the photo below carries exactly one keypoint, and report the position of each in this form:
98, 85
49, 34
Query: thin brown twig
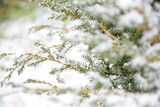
59, 45
109, 34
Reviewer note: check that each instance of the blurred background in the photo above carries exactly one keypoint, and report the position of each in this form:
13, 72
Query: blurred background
12, 9
16, 18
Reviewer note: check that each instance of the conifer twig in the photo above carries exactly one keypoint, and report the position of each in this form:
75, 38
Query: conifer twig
59, 45
109, 34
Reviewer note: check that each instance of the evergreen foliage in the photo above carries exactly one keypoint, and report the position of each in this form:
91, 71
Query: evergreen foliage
123, 49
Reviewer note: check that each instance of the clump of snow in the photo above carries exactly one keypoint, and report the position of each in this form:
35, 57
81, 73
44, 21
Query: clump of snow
95, 78
153, 51
141, 81
104, 11
139, 61
155, 65
67, 100
73, 79
21, 99
77, 36
77, 52
128, 4
104, 46
133, 18
149, 34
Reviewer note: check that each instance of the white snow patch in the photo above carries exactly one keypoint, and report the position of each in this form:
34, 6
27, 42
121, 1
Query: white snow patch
133, 18
128, 4
73, 79
138, 61
104, 46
